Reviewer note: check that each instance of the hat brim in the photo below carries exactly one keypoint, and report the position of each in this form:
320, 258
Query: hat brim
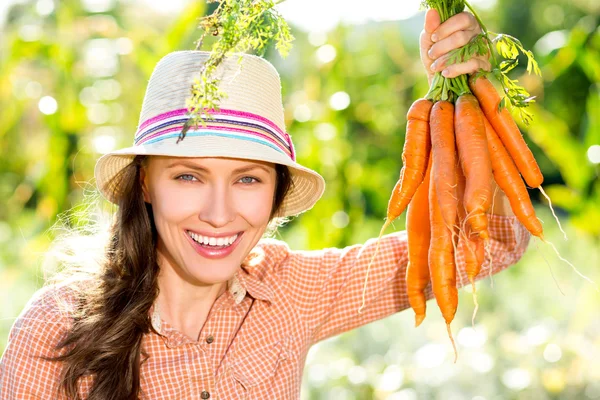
307, 185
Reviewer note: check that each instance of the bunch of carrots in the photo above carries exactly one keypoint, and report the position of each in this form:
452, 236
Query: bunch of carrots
459, 139
452, 154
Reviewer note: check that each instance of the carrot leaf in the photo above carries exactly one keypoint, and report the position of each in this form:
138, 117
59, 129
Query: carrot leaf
508, 65
477, 46
240, 26
509, 48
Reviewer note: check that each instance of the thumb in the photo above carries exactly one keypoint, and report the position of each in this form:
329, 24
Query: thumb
432, 20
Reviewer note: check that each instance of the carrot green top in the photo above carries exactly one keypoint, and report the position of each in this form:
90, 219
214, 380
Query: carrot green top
503, 50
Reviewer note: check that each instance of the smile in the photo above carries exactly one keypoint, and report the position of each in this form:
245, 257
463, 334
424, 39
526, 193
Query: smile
213, 241
214, 247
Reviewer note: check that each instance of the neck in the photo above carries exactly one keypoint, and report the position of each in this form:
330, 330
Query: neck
185, 305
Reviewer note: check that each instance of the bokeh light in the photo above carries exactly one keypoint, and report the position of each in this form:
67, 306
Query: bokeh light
326, 54
339, 101
48, 105
552, 353
593, 154
516, 378
44, 7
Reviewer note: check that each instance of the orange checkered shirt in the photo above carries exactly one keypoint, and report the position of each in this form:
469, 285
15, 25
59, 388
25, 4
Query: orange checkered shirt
258, 333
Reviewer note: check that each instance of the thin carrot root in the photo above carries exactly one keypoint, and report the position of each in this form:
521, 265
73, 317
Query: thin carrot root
550, 268
385, 225
486, 245
474, 289
494, 197
455, 229
572, 266
461, 233
453, 343
472, 281
553, 213
455, 238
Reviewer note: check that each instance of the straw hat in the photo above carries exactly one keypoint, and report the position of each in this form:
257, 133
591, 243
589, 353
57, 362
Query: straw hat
249, 125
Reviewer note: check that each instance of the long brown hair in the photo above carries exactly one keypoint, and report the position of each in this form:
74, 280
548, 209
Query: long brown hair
112, 316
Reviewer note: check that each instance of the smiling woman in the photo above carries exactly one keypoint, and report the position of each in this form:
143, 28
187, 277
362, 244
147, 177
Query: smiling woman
209, 213
188, 300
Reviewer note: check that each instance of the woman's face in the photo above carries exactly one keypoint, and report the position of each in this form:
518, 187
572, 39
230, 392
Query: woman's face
209, 213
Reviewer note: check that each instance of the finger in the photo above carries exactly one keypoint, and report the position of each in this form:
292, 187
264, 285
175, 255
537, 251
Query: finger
469, 67
460, 22
456, 40
426, 43
439, 64
432, 20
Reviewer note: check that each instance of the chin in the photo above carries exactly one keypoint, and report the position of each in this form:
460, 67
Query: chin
214, 274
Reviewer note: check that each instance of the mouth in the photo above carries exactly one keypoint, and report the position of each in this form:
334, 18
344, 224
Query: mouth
215, 243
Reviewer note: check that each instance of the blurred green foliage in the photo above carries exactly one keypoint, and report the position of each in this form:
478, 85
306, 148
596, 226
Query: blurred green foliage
346, 95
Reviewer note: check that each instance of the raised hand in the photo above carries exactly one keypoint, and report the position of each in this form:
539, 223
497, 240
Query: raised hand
438, 39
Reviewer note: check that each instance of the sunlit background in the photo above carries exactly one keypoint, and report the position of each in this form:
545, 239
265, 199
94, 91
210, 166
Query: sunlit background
301, 14
72, 78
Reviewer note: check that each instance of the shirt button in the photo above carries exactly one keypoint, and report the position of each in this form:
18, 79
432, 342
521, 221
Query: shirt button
209, 340
204, 394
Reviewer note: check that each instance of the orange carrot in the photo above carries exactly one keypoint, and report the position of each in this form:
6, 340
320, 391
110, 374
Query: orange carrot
508, 179
415, 156
442, 267
470, 244
443, 150
507, 130
475, 162
418, 231
473, 249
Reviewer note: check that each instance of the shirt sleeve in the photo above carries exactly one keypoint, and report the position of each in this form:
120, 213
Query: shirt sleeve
327, 285
24, 373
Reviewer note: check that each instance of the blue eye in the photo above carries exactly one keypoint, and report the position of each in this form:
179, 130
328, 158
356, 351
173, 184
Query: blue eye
248, 180
186, 177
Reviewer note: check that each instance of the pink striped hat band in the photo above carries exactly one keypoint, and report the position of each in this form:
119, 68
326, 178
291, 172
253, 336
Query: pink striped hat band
223, 123
249, 125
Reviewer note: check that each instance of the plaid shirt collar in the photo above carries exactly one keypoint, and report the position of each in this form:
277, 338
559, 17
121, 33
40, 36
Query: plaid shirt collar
247, 280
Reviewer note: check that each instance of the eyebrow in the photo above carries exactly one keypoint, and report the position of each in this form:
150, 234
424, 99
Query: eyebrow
200, 168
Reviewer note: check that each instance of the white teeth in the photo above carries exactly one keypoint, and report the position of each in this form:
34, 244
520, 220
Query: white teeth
212, 241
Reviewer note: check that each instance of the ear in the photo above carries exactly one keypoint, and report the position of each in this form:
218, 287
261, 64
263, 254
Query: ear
144, 184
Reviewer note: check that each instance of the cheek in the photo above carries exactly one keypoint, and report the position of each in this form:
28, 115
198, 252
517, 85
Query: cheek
255, 206
172, 205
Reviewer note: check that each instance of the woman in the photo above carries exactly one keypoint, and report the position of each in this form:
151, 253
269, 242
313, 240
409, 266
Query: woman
186, 302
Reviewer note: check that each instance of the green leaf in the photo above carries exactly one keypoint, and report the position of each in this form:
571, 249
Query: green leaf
553, 136
592, 133
508, 65
184, 26
588, 218
564, 197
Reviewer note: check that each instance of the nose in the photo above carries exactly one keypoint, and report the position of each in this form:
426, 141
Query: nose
218, 209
